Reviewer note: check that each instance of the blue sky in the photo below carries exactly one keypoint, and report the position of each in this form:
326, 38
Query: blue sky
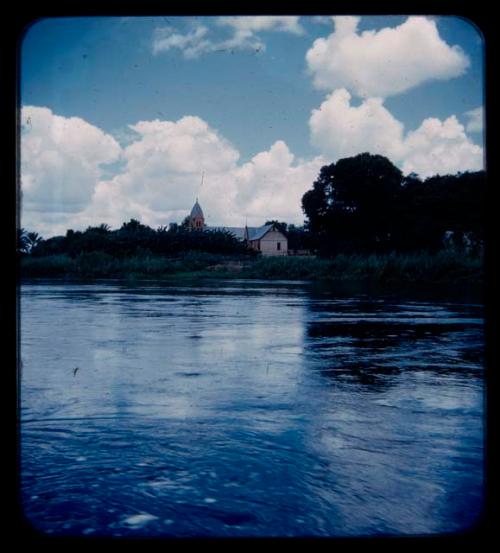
259, 104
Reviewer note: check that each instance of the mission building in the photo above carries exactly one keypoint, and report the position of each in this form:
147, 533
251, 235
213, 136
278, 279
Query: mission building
268, 239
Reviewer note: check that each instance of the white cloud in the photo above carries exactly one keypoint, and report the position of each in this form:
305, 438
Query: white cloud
164, 166
192, 43
188, 145
385, 62
475, 121
163, 169
61, 160
159, 177
321, 19
272, 183
244, 35
440, 147
339, 129
258, 23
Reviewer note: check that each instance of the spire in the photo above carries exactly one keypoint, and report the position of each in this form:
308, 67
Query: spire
196, 217
197, 211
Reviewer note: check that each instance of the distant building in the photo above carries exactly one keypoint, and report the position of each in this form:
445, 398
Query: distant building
196, 220
268, 239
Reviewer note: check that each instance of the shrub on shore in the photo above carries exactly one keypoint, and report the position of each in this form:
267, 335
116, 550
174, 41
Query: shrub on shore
444, 266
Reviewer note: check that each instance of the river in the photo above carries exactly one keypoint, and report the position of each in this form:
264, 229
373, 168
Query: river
249, 408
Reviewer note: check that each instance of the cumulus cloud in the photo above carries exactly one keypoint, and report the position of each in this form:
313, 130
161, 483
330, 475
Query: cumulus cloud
339, 129
159, 176
272, 183
440, 147
385, 62
187, 145
475, 120
62, 159
244, 35
164, 167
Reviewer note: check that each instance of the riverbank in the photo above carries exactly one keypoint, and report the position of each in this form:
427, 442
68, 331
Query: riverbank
442, 267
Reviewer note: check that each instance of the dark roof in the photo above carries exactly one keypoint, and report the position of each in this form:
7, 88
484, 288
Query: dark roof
259, 232
254, 233
237, 232
196, 211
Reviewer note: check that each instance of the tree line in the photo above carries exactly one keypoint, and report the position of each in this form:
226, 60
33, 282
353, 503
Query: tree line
131, 239
360, 204
365, 204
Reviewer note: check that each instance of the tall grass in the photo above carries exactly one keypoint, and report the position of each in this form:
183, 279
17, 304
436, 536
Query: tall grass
411, 267
445, 266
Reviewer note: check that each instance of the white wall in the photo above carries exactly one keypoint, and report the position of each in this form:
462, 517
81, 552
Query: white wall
268, 244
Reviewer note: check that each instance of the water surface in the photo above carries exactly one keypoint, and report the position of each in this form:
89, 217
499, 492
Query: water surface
249, 409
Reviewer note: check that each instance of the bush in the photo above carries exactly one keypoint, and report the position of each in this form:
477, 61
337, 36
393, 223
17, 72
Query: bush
48, 266
445, 266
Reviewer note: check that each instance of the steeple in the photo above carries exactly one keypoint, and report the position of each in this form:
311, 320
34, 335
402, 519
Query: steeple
196, 218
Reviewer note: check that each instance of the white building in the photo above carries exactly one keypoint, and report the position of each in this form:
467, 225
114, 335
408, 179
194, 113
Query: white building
268, 239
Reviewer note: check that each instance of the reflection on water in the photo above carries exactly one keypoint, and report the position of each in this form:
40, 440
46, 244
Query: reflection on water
248, 409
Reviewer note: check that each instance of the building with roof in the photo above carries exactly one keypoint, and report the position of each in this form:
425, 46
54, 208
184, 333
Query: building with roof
196, 220
267, 239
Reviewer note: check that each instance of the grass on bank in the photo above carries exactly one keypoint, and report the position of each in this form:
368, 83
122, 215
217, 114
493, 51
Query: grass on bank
444, 266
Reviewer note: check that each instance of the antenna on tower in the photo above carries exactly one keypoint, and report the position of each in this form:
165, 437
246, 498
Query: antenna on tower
201, 183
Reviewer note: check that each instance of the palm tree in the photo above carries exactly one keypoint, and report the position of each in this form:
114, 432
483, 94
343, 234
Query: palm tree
103, 228
26, 241
21, 240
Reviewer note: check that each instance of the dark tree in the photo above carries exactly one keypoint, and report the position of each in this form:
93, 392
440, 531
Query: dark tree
280, 225
103, 228
300, 239
21, 241
134, 226
34, 239
364, 204
27, 242
442, 204
353, 204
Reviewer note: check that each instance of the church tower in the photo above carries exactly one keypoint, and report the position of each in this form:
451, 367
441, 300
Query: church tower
196, 218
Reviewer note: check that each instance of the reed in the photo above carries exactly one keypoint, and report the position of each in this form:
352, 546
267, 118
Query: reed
444, 266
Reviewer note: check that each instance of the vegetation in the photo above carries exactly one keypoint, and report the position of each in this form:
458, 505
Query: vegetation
364, 221
136, 239
103, 265
419, 267
364, 204
445, 266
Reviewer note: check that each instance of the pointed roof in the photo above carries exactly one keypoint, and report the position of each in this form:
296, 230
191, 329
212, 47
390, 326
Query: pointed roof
196, 211
259, 232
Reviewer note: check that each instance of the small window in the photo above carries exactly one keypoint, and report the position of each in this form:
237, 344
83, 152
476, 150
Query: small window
279, 245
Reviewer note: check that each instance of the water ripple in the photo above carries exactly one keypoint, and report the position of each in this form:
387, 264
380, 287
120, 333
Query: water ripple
248, 409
